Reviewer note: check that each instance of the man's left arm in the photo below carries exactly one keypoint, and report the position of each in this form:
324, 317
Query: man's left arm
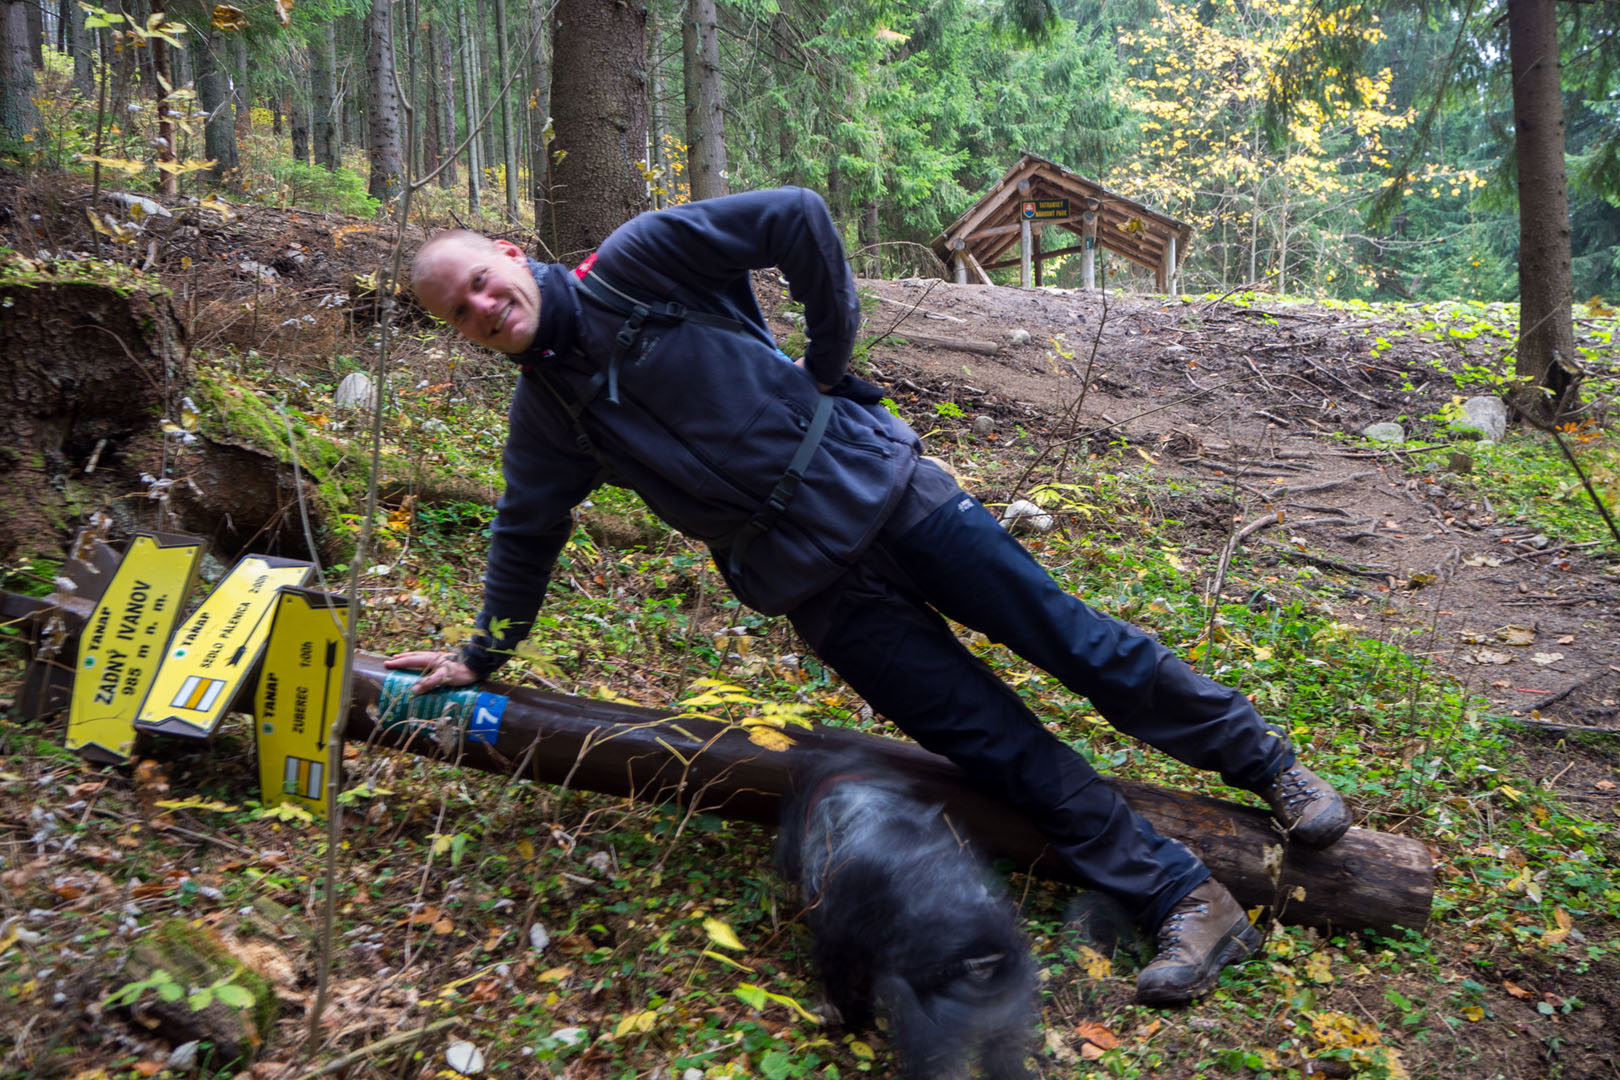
710, 245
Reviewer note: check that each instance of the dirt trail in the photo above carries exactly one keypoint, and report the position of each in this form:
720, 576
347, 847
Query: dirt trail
1247, 402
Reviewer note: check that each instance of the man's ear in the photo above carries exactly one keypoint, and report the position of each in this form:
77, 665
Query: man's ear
510, 250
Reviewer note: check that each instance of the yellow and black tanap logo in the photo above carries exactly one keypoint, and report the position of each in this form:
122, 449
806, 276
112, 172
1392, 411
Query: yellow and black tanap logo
305, 662
123, 642
213, 652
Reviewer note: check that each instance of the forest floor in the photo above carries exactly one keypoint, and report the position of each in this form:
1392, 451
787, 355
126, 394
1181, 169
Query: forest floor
1435, 621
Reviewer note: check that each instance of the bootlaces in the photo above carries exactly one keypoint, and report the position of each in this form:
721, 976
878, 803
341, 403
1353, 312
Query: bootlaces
1170, 933
1290, 788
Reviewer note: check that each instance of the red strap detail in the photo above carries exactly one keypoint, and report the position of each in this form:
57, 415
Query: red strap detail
585, 267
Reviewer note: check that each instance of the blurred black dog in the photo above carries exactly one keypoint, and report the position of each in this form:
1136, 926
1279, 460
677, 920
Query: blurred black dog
907, 923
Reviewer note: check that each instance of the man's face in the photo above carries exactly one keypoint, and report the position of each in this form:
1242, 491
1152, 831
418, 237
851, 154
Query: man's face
485, 292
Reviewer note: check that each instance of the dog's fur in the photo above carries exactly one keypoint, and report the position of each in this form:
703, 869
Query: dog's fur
908, 923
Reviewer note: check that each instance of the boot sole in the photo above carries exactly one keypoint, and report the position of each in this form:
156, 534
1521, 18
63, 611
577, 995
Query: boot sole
1235, 946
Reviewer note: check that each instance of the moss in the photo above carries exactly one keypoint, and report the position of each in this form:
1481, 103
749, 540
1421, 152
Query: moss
18, 271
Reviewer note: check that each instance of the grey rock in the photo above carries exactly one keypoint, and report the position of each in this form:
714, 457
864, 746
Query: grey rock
1485, 415
1018, 337
356, 391
1385, 432
983, 425
1460, 462
1540, 542
1023, 515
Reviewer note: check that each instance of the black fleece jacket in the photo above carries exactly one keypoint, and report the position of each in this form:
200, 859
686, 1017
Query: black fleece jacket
706, 419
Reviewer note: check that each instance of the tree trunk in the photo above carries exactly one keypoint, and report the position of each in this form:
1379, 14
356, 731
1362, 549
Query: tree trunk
469, 87
1366, 880
19, 116
442, 64
387, 159
323, 92
427, 102
79, 44
298, 121
705, 129
219, 131
1546, 333
36, 35
239, 87
599, 100
167, 152
503, 71
539, 112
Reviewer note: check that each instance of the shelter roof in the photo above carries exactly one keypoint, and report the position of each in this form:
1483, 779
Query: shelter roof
992, 226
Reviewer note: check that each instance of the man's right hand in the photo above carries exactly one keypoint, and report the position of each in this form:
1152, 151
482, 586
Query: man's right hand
440, 669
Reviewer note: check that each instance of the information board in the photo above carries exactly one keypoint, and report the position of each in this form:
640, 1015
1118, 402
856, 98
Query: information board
213, 651
123, 642
1042, 209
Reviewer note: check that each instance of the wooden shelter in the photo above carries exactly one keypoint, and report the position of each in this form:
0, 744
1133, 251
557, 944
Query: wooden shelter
1037, 194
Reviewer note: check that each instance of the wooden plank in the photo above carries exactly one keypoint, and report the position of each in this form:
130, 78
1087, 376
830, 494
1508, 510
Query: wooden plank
977, 269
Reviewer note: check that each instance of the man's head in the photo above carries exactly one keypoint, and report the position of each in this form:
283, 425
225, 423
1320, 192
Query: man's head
481, 287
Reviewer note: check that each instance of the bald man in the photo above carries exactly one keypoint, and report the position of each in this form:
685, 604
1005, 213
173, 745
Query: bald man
650, 366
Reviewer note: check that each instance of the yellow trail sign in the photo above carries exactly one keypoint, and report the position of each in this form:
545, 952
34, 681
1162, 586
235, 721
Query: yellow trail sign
123, 643
213, 652
300, 693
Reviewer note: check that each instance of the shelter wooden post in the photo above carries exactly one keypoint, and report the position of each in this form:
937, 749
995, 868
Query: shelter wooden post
1088, 254
1170, 264
1039, 229
1023, 240
958, 262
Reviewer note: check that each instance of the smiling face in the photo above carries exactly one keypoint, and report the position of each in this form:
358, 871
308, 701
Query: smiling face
481, 287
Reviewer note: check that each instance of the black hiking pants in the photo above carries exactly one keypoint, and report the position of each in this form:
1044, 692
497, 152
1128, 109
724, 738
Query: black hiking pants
880, 627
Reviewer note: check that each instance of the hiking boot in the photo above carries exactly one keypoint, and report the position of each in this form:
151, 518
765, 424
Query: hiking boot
1306, 806
1204, 932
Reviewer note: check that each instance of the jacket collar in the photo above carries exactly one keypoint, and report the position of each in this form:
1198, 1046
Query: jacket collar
559, 315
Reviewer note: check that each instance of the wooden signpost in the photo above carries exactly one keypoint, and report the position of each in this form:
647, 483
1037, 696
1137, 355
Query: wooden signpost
124, 642
300, 695
211, 655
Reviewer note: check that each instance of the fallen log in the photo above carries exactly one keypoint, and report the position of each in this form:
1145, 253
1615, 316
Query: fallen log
1368, 880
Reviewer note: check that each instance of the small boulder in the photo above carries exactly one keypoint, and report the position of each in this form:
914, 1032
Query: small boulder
1022, 515
1483, 418
1018, 337
1460, 462
356, 391
1385, 432
984, 425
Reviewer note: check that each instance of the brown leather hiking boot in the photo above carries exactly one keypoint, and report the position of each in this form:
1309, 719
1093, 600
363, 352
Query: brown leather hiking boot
1204, 932
1306, 806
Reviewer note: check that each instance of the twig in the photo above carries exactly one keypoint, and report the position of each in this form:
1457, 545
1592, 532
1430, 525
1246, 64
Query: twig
372, 1049
1550, 551
1554, 726
1330, 564
1309, 489
1568, 690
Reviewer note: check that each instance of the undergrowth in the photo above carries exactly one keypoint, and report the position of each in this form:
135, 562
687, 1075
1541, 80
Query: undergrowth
569, 934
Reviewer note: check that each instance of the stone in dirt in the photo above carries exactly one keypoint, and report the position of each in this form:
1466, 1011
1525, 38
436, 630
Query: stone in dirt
356, 391
1023, 515
1484, 418
1385, 432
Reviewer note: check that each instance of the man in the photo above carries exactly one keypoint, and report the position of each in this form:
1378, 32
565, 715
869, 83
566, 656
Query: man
652, 363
